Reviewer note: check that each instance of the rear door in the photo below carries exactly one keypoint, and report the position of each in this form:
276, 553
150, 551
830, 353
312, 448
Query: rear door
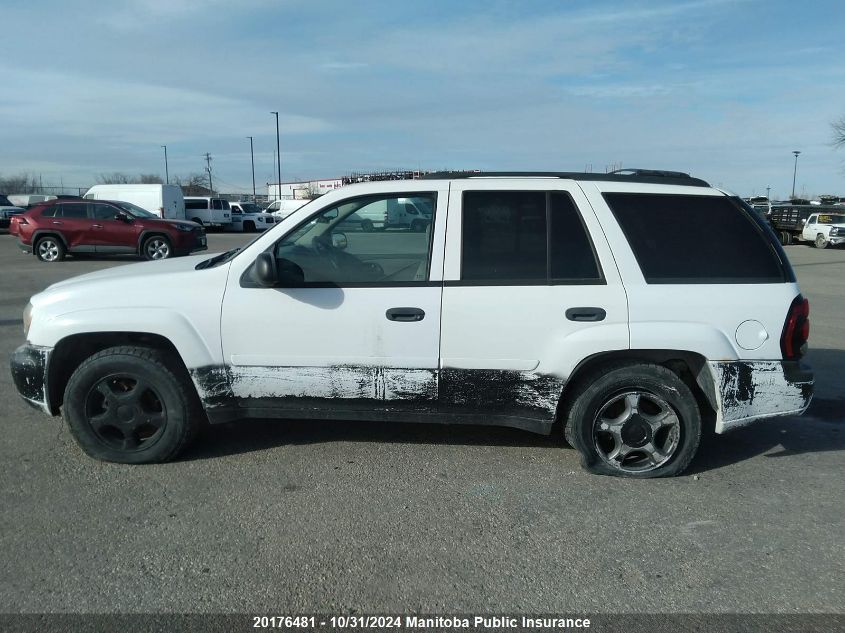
75, 224
530, 290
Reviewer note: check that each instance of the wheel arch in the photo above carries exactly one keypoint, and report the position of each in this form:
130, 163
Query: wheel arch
72, 350
39, 233
148, 233
690, 367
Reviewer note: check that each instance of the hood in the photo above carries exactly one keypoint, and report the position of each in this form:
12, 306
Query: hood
154, 221
147, 270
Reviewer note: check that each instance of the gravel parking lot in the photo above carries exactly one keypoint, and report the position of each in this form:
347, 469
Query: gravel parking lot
336, 517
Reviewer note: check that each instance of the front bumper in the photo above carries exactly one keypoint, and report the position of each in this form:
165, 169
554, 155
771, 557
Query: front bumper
29, 365
748, 391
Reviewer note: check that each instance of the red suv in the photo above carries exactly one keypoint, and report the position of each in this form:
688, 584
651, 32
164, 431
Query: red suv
55, 228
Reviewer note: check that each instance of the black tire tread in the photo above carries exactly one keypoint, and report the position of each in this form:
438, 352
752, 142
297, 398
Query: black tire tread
166, 365
583, 383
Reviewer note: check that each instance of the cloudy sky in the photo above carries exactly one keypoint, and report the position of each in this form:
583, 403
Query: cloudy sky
724, 89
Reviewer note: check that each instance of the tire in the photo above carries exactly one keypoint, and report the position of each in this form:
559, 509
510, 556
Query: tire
249, 226
821, 242
130, 405
642, 413
367, 226
156, 247
49, 249
785, 238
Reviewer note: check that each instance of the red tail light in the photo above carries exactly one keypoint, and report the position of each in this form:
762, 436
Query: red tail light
796, 330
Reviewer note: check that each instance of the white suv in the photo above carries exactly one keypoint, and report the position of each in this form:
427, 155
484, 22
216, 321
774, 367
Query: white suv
624, 311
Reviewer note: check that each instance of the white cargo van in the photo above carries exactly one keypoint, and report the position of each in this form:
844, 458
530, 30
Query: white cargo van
165, 201
208, 211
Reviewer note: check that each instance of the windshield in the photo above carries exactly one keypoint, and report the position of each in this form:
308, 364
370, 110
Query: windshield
222, 258
134, 210
249, 207
829, 218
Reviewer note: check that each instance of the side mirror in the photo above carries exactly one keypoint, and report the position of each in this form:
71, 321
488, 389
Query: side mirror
804, 221
339, 240
266, 272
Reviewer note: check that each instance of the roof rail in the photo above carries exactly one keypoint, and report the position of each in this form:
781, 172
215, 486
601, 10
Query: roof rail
649, 176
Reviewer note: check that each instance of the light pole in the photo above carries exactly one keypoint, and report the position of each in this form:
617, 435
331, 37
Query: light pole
166, 172
768, 189
252, 158
795, 170
279, 156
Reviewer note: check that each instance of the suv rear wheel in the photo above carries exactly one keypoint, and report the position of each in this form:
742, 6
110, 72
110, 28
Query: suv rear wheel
50, 249
129, 405
634, 421
156, 247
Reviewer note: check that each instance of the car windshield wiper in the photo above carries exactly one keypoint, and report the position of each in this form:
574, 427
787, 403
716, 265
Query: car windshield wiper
217, 259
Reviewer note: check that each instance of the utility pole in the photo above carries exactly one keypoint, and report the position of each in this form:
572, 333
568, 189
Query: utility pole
279, 155
166, 172
795, 170
208, 169
252, 158
768, 189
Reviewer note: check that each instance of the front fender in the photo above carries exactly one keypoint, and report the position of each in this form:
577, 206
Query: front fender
197, 348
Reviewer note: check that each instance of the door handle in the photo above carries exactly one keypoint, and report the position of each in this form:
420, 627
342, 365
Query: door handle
96, 226
56, 222
585, 314
405, 314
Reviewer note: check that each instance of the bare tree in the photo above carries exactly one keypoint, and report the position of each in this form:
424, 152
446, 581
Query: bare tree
839, 132
150, 179
22, 183
193, 184
114, 178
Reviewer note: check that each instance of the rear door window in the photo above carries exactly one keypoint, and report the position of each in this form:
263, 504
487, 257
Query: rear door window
196, 204
73, 210
525, 237
697, 239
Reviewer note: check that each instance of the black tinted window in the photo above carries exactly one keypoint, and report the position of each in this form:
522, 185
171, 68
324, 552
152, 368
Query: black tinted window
196, 204
571, 255
703, 239
69, 210
104, 211
50, 211
504, 235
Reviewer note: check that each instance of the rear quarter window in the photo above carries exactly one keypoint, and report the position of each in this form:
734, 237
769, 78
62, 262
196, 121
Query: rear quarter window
697, 239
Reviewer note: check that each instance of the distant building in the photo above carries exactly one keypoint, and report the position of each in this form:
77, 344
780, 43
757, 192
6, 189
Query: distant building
302, 190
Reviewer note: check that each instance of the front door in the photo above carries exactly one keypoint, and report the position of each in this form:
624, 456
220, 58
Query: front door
530, 289
810, 230
110, 235
353, 324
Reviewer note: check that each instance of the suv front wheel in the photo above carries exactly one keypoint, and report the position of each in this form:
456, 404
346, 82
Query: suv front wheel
156, 247
634, 421
129, 405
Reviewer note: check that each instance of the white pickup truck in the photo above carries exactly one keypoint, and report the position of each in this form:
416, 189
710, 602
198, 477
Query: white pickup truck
538, 301
247, 217
825, 229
